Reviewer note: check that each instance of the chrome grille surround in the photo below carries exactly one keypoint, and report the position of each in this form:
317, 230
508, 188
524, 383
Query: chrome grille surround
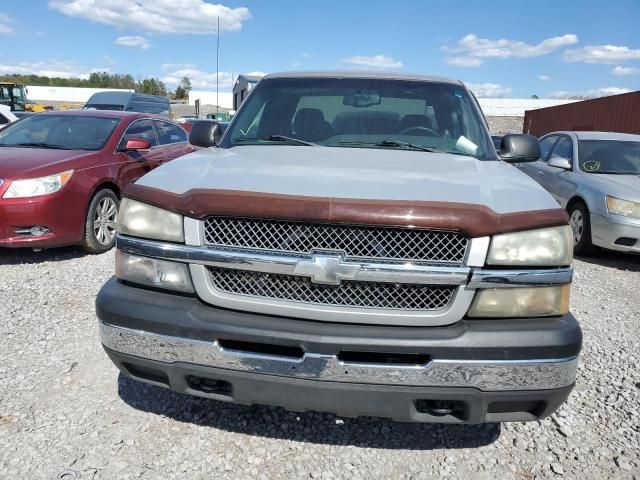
293, 288
357, 242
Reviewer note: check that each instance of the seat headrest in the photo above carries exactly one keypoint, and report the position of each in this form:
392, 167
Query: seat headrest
415, 120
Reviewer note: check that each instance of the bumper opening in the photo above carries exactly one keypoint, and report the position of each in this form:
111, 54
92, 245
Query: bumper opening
210, 386
454, 409
626, 241
262, 349
383, 358
146, 373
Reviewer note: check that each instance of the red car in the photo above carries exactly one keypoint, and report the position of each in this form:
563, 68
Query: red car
61, 173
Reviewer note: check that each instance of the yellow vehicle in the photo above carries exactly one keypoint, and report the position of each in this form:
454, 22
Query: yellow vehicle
14, 96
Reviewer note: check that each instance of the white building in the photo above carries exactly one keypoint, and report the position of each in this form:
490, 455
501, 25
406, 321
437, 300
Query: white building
515, 107
65, 94
210, 98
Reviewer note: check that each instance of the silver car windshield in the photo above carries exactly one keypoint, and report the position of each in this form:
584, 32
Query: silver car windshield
610, 157
361, 113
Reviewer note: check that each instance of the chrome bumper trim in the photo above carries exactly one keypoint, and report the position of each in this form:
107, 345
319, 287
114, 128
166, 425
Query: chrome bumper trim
295, 265
520, 278
489, 375
312, 266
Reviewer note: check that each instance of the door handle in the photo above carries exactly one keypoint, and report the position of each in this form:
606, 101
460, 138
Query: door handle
541, 174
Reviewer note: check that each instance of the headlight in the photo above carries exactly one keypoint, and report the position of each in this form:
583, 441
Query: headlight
144, 220
623, 207
153, 272
544, 247
34, 187
521, 302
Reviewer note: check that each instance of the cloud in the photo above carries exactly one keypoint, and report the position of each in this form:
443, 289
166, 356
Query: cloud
5, 24
199, 78
488, 90
591, 93
621, 71
377, 62
472, 51
544, 78
134, 41
50, 68
164, 16
606, 54
256, 73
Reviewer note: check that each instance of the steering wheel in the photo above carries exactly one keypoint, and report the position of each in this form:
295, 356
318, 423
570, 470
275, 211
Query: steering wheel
418, 128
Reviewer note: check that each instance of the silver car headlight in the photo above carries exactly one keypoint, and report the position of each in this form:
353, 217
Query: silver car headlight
543, 247
143, 220
34, 187
153, 272
625, 208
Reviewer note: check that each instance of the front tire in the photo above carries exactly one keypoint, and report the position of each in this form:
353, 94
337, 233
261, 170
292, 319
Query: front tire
100, 224
581, 227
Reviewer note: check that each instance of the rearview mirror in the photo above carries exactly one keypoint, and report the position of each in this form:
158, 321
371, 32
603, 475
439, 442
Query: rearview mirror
519, 148
137, 145
559, 162
361, 99
205, 133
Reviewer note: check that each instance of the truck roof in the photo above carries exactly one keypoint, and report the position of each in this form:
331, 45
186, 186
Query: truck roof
123, 97
363, 74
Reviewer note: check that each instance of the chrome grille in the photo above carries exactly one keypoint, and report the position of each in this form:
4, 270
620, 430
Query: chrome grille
357, 242
347, 294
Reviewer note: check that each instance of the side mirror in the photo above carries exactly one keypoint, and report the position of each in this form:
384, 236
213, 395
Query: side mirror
137, 145
559, 162
205, 133
519, 148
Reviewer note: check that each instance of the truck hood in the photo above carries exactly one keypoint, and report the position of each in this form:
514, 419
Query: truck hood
359, 173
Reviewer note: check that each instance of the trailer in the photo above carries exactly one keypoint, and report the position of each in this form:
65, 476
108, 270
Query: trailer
616, 113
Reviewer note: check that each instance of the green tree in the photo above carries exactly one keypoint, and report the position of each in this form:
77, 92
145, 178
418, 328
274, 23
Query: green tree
185, 83
180, 93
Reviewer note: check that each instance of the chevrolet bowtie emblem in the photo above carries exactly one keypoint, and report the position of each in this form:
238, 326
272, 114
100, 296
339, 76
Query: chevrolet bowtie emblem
326, 269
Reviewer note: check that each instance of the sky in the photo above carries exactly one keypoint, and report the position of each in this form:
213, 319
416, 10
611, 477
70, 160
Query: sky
499, 48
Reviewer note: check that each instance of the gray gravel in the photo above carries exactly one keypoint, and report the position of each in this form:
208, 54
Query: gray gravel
66, 413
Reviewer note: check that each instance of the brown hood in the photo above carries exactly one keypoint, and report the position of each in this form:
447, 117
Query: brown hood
471, 219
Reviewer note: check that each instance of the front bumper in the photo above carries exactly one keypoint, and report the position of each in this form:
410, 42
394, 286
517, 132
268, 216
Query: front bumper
606, 231
61, 213
479, 371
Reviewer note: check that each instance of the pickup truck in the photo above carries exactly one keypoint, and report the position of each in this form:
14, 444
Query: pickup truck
352, 244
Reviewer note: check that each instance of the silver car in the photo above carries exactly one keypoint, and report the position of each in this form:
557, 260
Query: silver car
596, 177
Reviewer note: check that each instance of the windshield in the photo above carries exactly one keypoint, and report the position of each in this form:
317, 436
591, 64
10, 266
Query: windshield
361, 113
59, 131
610, 156
13, 96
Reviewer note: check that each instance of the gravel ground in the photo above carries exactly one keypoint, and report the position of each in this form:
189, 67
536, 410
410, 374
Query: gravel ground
65, 412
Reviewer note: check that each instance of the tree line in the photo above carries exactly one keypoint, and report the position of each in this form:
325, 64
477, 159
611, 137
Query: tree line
151, 86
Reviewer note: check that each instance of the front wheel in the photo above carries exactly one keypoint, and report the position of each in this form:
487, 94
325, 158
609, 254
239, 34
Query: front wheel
100, 225
581, 228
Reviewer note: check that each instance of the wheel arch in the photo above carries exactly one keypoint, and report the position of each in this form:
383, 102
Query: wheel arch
576, 199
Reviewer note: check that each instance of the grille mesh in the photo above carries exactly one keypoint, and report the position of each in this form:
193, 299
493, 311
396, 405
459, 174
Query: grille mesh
347, 294
357, 242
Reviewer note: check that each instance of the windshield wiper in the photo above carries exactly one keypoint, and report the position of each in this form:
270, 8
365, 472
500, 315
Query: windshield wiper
615, 172
390, 143
276, 138
39, 145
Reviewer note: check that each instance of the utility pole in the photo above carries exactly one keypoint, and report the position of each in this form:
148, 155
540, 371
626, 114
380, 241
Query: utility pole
218, 70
